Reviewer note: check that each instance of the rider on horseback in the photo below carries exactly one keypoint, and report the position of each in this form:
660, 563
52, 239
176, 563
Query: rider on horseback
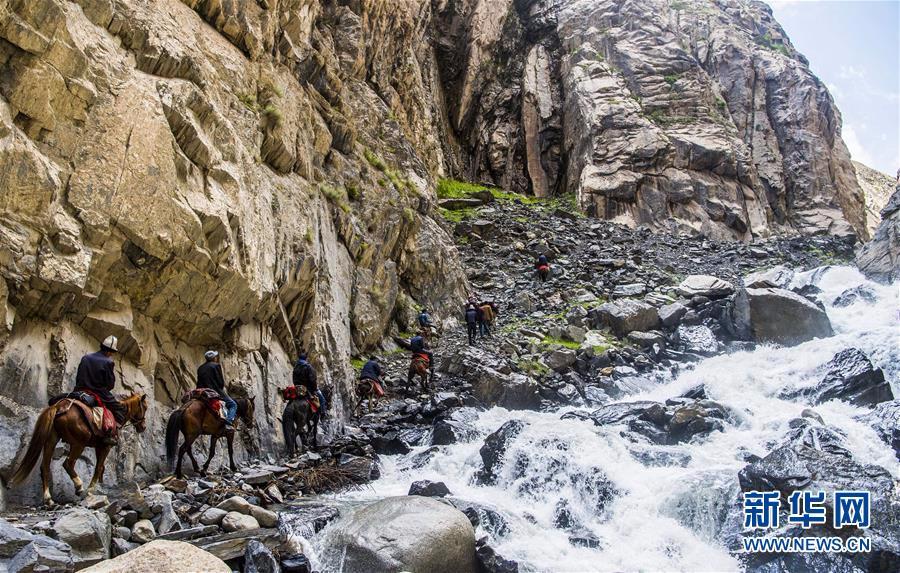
425, 322
305, 375
371, 370
419, 346
96, 375
209, 375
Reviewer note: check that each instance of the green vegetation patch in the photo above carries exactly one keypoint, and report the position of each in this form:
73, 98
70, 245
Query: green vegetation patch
456, 216
357, 363
560, 341
337, 195
533, 367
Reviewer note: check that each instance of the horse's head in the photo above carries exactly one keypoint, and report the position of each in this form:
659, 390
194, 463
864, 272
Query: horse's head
246, 409
136, 404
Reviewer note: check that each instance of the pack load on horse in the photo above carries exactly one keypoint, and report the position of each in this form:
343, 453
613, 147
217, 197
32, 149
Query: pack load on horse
543, 267
77, 419
199, 415
305, 405
369, 386
422, 363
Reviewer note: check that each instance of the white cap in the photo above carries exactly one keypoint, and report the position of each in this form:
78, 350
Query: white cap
111, 343
210, 354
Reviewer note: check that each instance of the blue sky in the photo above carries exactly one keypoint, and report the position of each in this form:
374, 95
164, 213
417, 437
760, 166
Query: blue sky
854, 47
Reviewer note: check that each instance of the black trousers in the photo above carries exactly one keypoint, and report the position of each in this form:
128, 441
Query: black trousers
473, 331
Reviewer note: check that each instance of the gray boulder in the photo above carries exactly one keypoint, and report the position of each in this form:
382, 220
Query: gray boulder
143, 531
258, 559
852, 378
879, 259
88, 533
42, 554
12, 539
561, 359
777, 315
698, 339
777, 277
408, 533
625, 315
235, 521
705, 285
494, 448
429, 489
671, 314
885, 420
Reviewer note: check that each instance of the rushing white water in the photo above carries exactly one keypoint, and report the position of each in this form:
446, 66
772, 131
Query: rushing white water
666, 517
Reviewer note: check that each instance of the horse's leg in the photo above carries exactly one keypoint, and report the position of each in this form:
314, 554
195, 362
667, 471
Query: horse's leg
190, 452
69, 465
49, 447
102, 452
187, 439
229, 439
212, 452
315, 431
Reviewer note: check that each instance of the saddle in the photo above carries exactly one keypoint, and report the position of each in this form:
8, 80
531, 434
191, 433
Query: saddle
376, 386
293, 392
421, 356
99, 419
544, 268
209, 397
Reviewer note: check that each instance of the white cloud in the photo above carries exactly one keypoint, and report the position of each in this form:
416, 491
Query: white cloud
857, 151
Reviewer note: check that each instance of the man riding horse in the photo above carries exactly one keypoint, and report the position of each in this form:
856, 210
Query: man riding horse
304, 375
419, 346
209, 375
96, 376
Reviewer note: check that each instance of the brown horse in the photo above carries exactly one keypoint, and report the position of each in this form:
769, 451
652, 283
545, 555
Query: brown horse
365, 389
196, 419
71, 427
418, 366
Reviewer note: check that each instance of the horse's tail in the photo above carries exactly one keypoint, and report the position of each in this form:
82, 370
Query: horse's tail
287, 426
173, 427
42, 428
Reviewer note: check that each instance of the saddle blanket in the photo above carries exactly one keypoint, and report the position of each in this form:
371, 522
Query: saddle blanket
208, 397
99, 419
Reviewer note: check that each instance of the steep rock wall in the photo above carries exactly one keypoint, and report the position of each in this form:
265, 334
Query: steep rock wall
694, 115
253, 177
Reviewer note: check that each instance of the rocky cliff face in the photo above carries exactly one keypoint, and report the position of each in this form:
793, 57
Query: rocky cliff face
877, 189
254, 177
258, 176
693, 115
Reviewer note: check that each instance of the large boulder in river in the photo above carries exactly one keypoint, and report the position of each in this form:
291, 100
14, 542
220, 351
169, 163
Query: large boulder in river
778, 277
494, 448
879, 259
162, 557
625, 315
407, 533
852, 378
777, 315
885, 420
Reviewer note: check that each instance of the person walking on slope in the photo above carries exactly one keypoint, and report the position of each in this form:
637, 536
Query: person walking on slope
485, 319
209, 375
471, 323
96, 375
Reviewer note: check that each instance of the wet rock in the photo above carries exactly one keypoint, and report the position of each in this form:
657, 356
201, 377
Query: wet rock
646, 339
258, 477
860, 293
163, 557
851, 377
258, 559
635, 289
494, 449
704, 285
411, 533
885, 420
489, 561
777, 277
698, 340
777, 315
88, 533
234, 521
625, 315
879, 259
453, 426
295, 564
42, 554
143, 531
429, 489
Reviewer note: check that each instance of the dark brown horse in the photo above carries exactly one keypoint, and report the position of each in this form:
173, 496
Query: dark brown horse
418, 367
71, 427
196, 419
299, 421
365, 389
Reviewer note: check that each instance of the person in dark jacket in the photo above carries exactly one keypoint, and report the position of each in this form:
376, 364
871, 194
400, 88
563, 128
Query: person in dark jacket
209, 375
472, 323
371, 370
419, 345
425, 322
543, 267
96, 374
305, 375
